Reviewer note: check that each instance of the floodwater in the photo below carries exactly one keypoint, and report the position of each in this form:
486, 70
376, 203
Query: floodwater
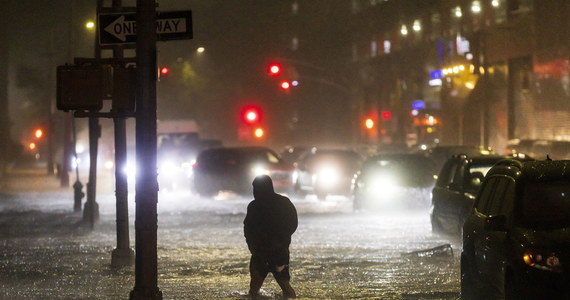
335, 253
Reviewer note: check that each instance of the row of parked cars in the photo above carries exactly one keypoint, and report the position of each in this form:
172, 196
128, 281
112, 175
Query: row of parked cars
512, 212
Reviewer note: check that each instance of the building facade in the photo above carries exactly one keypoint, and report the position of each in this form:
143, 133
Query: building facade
462, 72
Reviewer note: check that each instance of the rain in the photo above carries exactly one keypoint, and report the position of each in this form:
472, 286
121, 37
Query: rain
131, 132
335, 253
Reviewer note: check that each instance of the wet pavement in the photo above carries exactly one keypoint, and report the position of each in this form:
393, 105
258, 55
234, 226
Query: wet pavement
47, 253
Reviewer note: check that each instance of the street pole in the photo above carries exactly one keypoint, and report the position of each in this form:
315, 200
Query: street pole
123, 255
91, 210
146, 197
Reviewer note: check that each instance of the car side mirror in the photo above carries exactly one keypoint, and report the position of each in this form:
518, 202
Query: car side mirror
496, 223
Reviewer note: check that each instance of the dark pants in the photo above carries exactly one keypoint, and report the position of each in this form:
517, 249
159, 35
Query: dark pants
260, 266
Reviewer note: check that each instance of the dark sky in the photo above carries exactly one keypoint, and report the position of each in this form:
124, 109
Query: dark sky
240, 38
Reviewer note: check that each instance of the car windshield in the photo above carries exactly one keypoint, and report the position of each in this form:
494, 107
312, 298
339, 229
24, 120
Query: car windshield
546, 204
260, 156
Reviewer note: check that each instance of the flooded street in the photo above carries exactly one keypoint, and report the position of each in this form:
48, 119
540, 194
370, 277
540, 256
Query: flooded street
335, 253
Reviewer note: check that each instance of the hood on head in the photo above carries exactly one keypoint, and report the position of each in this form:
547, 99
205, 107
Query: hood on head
262, 185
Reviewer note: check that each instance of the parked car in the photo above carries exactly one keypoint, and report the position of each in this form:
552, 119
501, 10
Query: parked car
456, 187
519, 146
391, 181
326, 172
516, 240
440, 154
234, 168
540, 148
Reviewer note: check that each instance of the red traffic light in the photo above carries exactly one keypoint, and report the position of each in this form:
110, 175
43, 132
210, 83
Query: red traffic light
274, 69
386, 115
251, 114
164, 70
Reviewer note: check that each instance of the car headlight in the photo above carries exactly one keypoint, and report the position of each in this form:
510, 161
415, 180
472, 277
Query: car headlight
383, 184
328, 176
130, 170
109, 164
542, 260
168, 168
259, 170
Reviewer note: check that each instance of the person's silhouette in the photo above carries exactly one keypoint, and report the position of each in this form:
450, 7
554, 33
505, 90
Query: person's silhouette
270, 221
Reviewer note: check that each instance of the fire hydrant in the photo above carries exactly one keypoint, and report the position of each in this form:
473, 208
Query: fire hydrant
78, 194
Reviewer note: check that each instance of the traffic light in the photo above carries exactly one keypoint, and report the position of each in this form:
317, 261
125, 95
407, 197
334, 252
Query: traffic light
369, 123
285, 85
259, 133
386, 115
164, 70
251, 115
274, 69
38, 133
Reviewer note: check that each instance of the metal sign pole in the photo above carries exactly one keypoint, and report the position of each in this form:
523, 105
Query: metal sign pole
146, 191
123, 255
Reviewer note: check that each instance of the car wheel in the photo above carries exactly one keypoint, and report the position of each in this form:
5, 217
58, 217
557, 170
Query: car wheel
468, 289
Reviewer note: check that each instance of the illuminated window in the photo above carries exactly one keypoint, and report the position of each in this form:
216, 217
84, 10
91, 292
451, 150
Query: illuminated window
499, 11
373, 49
476, 7
457, 12
295, 44
417, 26
295, 8
387, 46
404, 30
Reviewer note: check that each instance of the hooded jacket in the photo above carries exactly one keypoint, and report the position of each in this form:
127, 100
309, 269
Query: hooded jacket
271, 219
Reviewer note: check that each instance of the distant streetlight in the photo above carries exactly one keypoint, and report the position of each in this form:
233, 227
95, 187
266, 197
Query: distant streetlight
200, 50
90, 25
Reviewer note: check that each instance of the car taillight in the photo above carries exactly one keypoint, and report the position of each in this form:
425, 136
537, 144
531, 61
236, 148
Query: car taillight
546, 261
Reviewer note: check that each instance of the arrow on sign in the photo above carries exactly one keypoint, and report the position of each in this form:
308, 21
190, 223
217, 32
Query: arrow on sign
121, 28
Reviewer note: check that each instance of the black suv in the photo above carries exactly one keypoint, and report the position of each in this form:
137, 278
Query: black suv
516, 241
234, 168
457, 185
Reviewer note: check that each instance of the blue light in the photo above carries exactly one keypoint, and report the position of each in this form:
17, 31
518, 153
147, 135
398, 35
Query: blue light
437, 74
419, 104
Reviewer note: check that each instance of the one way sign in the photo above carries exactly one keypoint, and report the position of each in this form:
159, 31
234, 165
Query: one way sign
121, 28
